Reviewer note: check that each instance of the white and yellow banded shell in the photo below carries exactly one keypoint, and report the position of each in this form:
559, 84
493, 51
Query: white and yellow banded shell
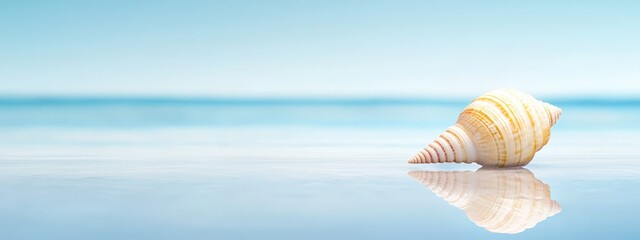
499, 200
501, 128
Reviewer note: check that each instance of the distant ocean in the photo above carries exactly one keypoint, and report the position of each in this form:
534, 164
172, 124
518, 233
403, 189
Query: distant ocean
215, 112
169, 168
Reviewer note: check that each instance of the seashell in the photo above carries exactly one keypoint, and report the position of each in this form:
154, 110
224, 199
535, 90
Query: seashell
499, 200
501, 128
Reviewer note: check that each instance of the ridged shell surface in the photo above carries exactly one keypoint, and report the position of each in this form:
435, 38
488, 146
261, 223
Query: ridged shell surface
501, 201
501, 128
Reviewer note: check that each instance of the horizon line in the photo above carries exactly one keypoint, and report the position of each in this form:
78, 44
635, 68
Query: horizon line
181, 100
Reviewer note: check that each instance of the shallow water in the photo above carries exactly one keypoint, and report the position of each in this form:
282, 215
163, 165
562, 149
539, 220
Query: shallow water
213, 169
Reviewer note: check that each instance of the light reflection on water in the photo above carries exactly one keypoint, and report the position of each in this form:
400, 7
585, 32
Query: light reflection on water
282, 171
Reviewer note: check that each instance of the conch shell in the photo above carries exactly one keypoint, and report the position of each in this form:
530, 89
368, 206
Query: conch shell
502, 128
499, 200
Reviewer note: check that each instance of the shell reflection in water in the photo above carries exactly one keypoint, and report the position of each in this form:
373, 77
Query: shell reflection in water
501, 201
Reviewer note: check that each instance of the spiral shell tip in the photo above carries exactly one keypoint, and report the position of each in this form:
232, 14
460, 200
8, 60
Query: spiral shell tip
414, 160
420, 158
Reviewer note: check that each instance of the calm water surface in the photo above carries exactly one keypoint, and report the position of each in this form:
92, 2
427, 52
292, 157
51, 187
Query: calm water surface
246, 169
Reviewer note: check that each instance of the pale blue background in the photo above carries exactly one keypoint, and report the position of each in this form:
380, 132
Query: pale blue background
319, 48
294, 119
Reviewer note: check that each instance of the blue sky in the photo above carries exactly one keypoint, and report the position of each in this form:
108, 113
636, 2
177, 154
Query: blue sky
319, 48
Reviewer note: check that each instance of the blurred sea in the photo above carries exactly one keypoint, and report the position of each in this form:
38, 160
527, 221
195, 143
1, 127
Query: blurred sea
158, 168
